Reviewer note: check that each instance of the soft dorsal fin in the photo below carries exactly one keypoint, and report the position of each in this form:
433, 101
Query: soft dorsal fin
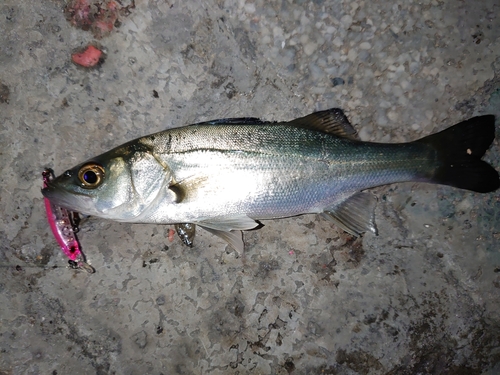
331, 121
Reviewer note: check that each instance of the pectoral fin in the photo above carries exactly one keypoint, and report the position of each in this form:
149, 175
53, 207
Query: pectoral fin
229, 223
355, 215
181, 189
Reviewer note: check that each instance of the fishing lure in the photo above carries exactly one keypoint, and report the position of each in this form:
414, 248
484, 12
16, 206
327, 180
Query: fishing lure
64, 225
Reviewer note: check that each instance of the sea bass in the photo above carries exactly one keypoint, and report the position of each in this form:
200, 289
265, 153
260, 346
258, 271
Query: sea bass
226, 175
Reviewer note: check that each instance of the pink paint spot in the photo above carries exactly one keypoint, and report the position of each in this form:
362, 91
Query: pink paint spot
171, 234
291, 252
113, 6
97, 16
89, 58
79, 13
104, 26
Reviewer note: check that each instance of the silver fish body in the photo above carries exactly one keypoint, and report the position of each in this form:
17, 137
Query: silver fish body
265, 171
226, 174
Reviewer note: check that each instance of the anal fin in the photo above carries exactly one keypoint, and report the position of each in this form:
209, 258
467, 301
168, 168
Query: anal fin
355, 215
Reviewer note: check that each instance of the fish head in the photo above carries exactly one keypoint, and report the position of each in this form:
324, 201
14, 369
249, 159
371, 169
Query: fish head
120, 184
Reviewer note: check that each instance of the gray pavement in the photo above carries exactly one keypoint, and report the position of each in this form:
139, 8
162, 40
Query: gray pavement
304, 297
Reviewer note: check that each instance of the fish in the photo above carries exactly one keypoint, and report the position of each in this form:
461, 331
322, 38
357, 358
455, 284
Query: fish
228, 175
64, 227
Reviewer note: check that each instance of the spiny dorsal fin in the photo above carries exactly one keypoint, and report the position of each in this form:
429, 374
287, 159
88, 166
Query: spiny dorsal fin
331, 121
236, 121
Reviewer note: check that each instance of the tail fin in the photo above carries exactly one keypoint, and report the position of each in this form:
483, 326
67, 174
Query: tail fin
459, 152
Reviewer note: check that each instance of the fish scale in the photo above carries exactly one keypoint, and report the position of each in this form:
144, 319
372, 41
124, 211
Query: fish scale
272, 157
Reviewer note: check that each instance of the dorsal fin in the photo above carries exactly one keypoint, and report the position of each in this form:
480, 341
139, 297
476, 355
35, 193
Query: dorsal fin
331, 121
236, 121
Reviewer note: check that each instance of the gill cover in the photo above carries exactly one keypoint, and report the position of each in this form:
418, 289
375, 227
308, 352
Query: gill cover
147, 178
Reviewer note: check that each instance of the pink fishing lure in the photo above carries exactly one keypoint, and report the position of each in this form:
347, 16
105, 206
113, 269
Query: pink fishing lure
64, 230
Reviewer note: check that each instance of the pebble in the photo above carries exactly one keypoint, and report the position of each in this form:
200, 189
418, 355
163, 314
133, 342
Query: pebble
337, 42
330, 29
309, 48
386, 88
250, 7
346, 21
337, 81
393, 115
365, 133
403, 101
395, 29
312, 239
397, 90
405, 85
358, 94
414, 67
381, 119
352, 55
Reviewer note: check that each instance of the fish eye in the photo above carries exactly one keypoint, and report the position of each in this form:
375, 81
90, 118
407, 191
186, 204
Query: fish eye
91, 175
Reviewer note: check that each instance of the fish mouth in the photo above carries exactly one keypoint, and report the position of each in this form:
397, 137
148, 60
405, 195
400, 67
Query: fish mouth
69, 200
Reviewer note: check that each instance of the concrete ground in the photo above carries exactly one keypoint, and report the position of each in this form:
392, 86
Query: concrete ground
304, 297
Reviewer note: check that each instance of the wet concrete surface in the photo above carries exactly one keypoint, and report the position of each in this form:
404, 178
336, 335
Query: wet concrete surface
304, 297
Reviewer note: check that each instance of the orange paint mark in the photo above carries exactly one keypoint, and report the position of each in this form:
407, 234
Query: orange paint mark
88, 58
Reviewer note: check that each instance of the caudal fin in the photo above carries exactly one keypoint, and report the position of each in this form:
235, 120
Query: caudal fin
459, 152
